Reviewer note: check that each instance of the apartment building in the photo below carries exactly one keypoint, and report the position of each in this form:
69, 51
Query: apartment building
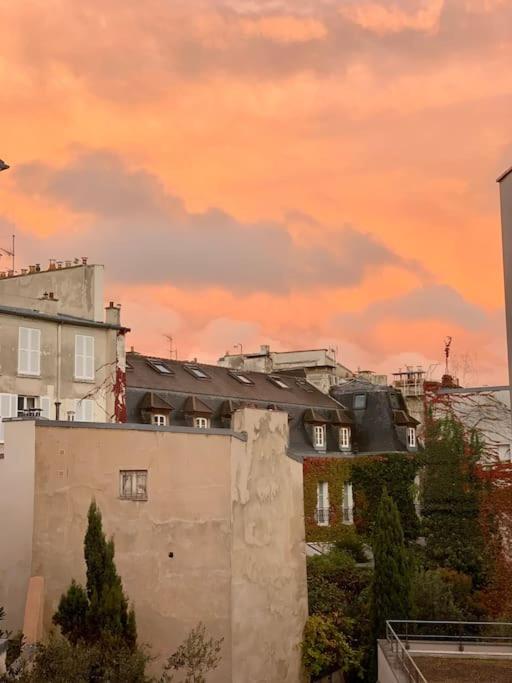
319, 366
62, 355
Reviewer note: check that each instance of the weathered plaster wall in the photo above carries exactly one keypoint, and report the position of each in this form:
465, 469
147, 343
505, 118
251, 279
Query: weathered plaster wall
187, 513
268, 560
17, 517
78, 290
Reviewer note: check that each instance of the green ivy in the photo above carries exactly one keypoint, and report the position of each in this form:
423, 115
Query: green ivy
336, 472
394, 471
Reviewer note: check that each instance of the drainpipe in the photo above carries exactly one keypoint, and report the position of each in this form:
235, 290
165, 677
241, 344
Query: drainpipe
59, 359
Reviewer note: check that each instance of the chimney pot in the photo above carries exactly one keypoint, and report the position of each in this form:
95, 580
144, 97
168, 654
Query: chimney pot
38, 267
84, 260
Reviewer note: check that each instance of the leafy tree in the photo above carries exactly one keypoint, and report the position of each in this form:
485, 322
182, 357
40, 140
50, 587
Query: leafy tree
391, 585
101, 610
451, 500
197, 655
433, 599
326, 648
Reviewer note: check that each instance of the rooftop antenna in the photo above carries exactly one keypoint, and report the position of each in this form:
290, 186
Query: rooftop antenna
239, 346
10, 252
173, 351
447, 344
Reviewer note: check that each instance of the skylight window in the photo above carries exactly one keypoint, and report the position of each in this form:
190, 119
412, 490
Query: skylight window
278, 382
243, 379
160, 367
305, 385
196, 371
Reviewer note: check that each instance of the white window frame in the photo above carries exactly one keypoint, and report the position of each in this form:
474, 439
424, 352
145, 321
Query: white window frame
202, 422
411, 437
29, 351
84, 357
159, 420
348, 503
41, 403
322, 503
319, 436
345, 438
8, 408
84, 410
133, 485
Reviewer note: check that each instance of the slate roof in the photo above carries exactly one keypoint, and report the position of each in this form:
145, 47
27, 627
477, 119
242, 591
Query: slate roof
379, 427
222, 393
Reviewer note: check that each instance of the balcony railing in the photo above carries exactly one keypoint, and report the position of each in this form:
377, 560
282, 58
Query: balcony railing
29, 412
322, 516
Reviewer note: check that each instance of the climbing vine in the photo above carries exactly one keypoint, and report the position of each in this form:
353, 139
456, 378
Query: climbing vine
336, 472
397, 472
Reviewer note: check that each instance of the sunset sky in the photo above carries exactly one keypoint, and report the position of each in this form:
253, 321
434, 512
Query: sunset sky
298, 173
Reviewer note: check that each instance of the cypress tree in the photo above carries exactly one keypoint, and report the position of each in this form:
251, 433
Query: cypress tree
391, 588
101, 611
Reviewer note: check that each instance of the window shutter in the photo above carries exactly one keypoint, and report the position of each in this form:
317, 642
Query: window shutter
84, 411
89, 357
79, 356
44, 404
84, 356
35, 352
23, 350
8, 408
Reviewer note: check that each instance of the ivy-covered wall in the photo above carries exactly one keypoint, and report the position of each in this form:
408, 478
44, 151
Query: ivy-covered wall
368, 475
335, 472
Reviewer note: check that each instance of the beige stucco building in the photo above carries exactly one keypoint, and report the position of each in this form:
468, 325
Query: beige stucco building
62, 355
208, 526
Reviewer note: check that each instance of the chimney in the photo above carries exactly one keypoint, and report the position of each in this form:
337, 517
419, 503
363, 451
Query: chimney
31, 269
52, 265
505, 183
265, 348
113, 314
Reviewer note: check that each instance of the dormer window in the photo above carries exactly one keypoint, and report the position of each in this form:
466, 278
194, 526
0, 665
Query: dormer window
201, 423
345, 434
319, 436
159, 420
411, 437
359, 401
197, 372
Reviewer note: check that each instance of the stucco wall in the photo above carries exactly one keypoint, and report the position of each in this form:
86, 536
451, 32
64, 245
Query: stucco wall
268, 561
16, 519
78, 290
56, 379
187, 513
228, 506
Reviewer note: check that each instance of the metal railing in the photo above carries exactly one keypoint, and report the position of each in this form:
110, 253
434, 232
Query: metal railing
322, 516
402, 656
458, 633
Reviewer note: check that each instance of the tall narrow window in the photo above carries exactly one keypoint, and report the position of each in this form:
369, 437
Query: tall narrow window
411, 437
348, 504
322, 503
319, 436
8, 408
345, 438
29, 351
84, 410
84, 357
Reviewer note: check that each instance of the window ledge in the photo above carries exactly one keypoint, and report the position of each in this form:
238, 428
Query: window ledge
133, 500
83, 380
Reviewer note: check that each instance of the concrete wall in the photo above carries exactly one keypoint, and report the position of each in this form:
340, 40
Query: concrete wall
268, 561
78, 290
229, 510
17, 478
